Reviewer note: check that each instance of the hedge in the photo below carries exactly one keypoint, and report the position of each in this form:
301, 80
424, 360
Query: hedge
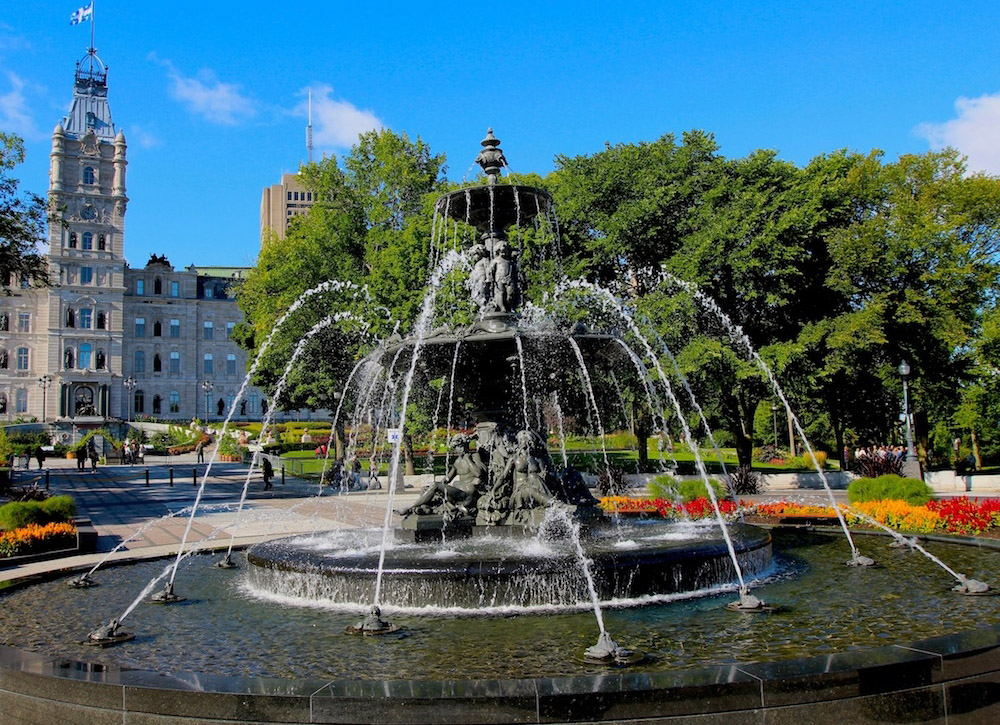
889, 487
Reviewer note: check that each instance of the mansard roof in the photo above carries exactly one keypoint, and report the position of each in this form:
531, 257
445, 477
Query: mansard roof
89, 109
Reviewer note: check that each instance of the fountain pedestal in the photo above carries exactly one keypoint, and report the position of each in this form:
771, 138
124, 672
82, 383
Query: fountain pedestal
419, 528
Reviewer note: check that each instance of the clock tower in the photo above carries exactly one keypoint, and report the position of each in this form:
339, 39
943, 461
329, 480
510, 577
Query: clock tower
87, 201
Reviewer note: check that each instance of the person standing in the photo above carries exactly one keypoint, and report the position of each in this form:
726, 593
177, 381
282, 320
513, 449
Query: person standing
268, 472
81, 458
92, 453
200, 450
40, 457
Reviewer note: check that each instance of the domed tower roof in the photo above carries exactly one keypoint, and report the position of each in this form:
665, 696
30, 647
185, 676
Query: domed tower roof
89, 109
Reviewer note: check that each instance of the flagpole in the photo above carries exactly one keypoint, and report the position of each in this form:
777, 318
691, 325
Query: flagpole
93, 22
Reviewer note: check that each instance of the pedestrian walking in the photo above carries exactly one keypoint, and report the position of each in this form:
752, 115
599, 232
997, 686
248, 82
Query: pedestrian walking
92, 452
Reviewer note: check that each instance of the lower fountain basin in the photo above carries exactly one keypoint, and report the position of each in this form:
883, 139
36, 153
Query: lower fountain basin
628, 561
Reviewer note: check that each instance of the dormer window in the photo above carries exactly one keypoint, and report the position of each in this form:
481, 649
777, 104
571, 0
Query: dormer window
88, 175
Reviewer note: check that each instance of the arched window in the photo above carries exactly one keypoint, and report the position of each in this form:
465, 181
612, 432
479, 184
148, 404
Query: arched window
175, 402
83, 360
88, 175
21, 401
102, 320
220, 407
157, 400
88, 240
157, 367
230, 364
207, 330
209, 367
139, 402
68, 358
157, 329
70, 317
140, 362
101, 243
72, 240
157, 286
100, 361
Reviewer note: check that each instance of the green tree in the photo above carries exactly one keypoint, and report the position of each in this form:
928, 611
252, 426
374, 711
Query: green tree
22, 222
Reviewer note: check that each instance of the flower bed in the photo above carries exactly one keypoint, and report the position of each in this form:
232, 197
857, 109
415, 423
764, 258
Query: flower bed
954, 515
35, 538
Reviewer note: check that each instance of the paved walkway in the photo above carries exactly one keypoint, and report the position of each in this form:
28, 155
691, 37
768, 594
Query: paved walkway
149, 519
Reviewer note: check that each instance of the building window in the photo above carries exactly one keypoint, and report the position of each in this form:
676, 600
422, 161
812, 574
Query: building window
254, 399
84, 358
175, 362
86, 275
21, 401
157, 286
100, 360
230, 364
88, 175
140, 286
88, 240
230, 326
157, 400
175, 289
289, 196
175, 402
140, 361
86, 317
72, 240
157, 329
101, 243
139, 402
102, 321
209, 367
24, 322
208, 331
175, 328
157, 365
140, 326
22, 358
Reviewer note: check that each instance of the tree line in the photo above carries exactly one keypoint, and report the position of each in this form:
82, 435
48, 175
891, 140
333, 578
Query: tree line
836, 271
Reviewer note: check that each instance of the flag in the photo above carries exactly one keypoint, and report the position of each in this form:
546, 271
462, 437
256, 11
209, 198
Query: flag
83, 14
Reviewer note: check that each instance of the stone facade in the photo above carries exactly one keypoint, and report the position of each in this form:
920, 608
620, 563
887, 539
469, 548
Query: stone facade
67, 350
280, 203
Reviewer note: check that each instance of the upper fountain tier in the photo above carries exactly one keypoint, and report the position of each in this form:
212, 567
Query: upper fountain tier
494, 207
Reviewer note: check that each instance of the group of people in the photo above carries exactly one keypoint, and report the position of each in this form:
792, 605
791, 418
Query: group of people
84, 454
881, 452
346, 476
133, 453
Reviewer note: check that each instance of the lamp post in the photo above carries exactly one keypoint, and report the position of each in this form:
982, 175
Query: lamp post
129, 384
207, 386
774, 423
44, 382
904, 373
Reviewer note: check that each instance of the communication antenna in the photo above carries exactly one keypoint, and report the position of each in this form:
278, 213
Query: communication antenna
309, 129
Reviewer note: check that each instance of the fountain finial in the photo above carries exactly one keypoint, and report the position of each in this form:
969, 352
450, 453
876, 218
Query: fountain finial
491, 158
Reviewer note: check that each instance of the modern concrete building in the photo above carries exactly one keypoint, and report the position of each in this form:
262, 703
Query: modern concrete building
105, 341
280, 203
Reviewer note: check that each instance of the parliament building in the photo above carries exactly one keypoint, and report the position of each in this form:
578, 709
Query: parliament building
107, 341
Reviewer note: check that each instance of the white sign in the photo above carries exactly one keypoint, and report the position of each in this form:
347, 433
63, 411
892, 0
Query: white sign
395, 435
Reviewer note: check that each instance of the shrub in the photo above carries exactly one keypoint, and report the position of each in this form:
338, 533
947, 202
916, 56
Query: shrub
59, 508
18, 514
875, 466
32, 537
746, 481
663, 486
889, 487
228, 446
769, 453
694, 488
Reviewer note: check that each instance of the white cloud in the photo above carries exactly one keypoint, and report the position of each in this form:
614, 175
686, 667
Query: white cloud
14, 115
975, 132
145, 139
205, 95
337, 123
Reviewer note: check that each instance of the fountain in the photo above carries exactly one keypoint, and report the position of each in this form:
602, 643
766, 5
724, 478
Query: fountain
485, 595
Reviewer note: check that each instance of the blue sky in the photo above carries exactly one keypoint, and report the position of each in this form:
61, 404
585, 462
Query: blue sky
212, 95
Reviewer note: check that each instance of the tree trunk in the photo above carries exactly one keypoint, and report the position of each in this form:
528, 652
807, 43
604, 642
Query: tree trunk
338, 441
641, 429
408, 455
975, 449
